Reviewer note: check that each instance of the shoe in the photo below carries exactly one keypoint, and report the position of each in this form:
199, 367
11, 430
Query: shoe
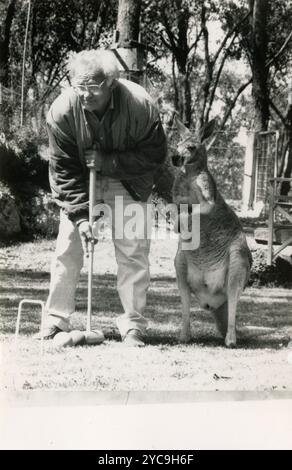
134, 338
49, 332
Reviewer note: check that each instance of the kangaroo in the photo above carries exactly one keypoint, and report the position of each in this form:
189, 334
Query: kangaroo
218, 270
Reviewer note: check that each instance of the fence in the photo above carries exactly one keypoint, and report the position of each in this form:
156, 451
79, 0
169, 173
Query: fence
266, 157
267, 154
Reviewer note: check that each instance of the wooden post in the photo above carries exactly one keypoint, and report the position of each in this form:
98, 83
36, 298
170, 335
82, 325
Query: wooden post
131, 54
249, 171
287, 186
271, 222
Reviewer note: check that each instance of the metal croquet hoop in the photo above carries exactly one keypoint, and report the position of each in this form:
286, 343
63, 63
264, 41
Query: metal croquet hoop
35, 302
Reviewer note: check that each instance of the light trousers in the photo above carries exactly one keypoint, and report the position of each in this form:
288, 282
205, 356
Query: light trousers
130, 222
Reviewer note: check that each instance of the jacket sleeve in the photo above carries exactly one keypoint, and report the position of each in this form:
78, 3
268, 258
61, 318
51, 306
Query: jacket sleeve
68, 179
148, 145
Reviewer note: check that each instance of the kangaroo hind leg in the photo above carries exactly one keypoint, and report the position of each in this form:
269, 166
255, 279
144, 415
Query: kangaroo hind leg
237, 276
185, 294
221, 319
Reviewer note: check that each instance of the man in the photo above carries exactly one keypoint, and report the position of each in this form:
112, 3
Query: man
118, 118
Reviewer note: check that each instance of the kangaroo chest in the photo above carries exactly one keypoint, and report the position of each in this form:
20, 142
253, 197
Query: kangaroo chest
217, 232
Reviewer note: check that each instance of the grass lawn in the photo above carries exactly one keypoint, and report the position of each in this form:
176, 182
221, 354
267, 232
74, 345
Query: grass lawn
259, 363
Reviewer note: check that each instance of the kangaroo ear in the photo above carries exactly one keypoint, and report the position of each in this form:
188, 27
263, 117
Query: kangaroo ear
182, 129
207, 130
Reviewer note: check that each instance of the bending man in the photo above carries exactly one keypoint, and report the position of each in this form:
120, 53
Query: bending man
118, 118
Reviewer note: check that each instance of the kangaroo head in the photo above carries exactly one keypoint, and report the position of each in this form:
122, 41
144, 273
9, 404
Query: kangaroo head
191, 149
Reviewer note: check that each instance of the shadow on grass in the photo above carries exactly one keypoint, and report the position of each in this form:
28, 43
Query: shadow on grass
163, 311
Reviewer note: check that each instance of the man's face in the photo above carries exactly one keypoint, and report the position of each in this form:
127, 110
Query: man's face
94, 91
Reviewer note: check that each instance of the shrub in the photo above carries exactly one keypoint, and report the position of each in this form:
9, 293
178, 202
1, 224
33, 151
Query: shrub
39, 215
21, 163
24, 176
279, 274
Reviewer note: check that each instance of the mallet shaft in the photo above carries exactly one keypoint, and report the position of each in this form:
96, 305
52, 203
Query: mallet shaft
92, 197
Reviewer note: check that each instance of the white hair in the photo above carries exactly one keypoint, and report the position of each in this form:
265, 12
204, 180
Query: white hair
93, 62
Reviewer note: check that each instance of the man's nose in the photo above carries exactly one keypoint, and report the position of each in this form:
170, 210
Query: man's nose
87, 93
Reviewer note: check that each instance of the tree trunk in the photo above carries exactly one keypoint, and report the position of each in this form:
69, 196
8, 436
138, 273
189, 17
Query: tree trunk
175, 84
185, 99
4, 44
287, 185
131, 56
209, 66
128, 22
259, 59
181, 57
260, 91
7, 107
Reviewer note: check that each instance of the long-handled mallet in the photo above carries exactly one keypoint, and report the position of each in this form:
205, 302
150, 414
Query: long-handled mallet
96, 336
75, 338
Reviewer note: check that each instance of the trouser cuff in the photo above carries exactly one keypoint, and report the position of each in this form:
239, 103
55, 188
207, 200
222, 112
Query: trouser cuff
53, 320
126, 323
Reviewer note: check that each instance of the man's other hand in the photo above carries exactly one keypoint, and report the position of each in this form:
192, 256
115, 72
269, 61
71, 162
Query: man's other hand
93, 155
86, 236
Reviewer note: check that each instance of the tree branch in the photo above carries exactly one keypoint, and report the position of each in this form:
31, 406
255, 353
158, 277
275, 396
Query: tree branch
207, 61
171, 36
217, 78
167, 44
229, 34
229, 110
278, 112
8, 22
280, 51
195, 43
51, 87
75, 39
205, 33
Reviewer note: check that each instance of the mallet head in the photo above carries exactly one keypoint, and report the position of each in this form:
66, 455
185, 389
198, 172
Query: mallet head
78, 337
62, 340
94, 337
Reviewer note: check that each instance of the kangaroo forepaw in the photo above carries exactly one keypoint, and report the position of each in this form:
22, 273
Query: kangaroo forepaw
230, 340
185, 337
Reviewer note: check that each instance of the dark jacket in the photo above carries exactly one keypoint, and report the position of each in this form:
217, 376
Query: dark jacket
130, 135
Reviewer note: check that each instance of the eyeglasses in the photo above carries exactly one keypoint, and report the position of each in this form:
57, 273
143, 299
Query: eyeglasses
90, 88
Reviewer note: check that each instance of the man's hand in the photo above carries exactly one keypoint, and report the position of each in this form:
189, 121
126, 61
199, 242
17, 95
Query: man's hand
86, 236
93, 155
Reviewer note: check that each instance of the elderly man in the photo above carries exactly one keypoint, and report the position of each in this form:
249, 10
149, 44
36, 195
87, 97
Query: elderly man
118, 118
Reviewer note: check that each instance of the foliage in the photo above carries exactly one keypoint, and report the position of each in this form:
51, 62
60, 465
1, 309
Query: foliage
39, 215
194, 69
184, 32
21, 165
279, 18
24, 177
279, 274
56, 28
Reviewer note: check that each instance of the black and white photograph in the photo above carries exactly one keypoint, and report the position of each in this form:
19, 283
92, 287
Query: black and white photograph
146, 224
